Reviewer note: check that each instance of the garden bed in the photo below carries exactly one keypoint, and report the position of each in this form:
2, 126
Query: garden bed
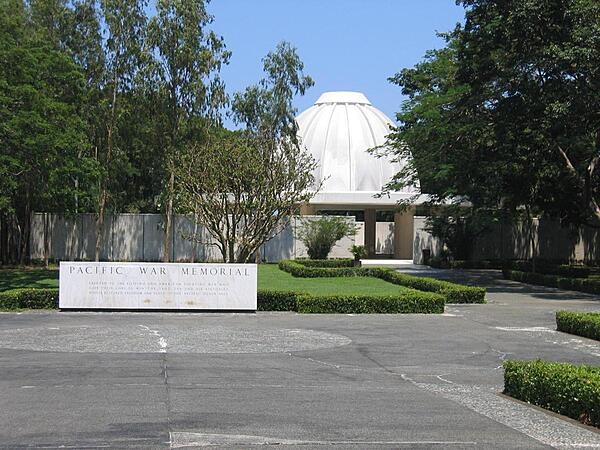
589, 285
452, 292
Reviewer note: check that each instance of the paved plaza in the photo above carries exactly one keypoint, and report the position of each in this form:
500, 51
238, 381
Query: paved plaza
168, 380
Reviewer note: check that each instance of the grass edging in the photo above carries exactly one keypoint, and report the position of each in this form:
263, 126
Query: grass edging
586, 324
410, 301
568, 389
29, 298
452, 292
587, 285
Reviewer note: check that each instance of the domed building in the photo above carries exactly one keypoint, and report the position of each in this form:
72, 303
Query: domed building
338, 130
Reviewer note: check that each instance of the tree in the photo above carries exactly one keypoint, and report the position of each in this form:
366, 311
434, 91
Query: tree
507, 114
188, 59
125, 22
244, 186
320, 235
41, 133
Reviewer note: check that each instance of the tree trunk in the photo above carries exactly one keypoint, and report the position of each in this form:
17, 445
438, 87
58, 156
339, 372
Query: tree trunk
100, 224
169, 216
532, 238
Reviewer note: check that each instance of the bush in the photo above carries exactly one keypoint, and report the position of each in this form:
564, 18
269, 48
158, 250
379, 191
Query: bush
29, 298
276, 301
320, 235
413, 302
567, 389
469, 264
586, 324
338, 262
550, 268
452, 292
407, 302
588, 285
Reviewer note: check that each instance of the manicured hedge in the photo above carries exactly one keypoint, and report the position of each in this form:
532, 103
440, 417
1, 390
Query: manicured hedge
588, 285
414, 302
567, 389
29, 298
341, 262
452, 292
550, 268
409, 302
586, 324
268, 300
467, 264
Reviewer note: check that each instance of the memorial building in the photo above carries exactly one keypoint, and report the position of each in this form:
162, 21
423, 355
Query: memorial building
338, 130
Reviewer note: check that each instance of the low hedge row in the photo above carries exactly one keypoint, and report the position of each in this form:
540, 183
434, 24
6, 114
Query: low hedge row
440, 263
452, 292
409, 301
29, 298
588, 285
586, 324
549, 268
341, 262
567, 389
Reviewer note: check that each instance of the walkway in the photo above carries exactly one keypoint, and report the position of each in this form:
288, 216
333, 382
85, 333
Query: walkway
145, 380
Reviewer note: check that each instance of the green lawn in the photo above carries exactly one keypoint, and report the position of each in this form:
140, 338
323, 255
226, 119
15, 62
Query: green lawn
28, 278
270, 277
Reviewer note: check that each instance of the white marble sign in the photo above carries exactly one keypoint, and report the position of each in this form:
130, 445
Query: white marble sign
104, 285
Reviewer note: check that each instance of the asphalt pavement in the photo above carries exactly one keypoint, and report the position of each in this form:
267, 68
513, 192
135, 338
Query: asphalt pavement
181, 380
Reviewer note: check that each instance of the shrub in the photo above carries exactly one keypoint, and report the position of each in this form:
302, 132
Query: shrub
276, 300
567, 389
409, 301
412, 302
550, 268
586, 324
320, 235
338, 262
29, 298
452, 292
588, 285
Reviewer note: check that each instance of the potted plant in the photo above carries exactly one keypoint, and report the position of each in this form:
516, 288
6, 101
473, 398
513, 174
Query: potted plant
359, 251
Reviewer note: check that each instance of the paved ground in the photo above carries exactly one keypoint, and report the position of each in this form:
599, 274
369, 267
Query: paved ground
146, 380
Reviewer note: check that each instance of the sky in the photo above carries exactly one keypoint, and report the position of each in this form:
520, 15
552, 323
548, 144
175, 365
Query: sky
346, 45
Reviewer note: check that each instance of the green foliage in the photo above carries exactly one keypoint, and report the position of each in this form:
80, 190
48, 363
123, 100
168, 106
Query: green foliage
358, 251
566, 389
409, 302
339, 262
452, 292
320, 235
588, 285
549, 268
586, 324
459, 230
507, 114
269, 300
29, 299
42, 137
244, 186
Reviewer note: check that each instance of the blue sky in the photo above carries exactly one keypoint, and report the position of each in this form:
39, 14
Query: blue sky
350, 45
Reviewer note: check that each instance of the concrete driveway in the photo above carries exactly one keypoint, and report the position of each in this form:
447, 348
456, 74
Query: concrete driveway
150, 380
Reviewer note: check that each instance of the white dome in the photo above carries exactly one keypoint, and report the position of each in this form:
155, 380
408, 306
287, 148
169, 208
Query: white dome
338, 130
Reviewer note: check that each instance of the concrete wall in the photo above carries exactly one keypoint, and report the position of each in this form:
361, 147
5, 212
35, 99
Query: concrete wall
507, 240
139, 237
